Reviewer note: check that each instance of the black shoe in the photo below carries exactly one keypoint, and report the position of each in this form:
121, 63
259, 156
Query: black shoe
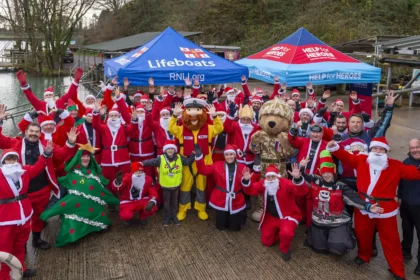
359, 261
396, 276
166, 221
306, 243
143, 222
286, 256
375, 252
29, 272
406, 255
126, 223
302, 222
40, 244
417, 270
248, 205
176, 221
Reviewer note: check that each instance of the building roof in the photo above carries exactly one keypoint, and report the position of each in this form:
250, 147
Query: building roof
409, 43
130, 42
366, 45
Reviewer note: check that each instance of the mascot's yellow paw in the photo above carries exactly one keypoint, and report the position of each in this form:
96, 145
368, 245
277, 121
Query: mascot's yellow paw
202, 215
181, 215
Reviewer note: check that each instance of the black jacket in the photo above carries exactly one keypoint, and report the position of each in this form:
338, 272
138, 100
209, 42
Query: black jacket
409, 190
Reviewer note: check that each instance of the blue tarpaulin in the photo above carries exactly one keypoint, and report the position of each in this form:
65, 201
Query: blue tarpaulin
169, 59
302, 58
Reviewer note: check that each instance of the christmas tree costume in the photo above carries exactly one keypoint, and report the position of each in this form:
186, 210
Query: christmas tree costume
82, 210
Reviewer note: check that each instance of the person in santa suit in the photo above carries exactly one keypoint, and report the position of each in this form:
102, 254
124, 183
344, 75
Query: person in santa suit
49, 103
227, 198
296, 97
53, 127
304, 124
114, 138
377, 181
170, 165
256, 103
137, 194
40, 187
232, 100
15, 206
292, 105
308, 148
330, 231
338, 105
87, 134
147, 103
280, 213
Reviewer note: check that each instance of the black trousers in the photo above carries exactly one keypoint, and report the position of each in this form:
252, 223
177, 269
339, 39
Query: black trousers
170, 202
410, 219
336, 240
233, 222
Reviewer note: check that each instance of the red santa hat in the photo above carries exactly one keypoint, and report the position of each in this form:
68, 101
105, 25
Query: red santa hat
256, 98
228, 90
259, 90
144, 97
114, 110
165, 110
43, 120
170, 144
306, 110
90, 96
140, 107
138, 93
49, 90
220, 107
338, 100
295, 91
88, 112
379, 142
272, 170
9, 152
230, 148
137, 166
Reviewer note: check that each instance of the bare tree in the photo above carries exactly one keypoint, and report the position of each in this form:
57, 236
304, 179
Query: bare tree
110, 5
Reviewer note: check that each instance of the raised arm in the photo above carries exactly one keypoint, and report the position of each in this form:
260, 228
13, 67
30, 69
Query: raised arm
342, 155
72, 92
36, 103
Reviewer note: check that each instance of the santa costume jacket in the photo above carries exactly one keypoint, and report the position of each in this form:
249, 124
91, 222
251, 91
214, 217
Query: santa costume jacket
141, 140
129, 193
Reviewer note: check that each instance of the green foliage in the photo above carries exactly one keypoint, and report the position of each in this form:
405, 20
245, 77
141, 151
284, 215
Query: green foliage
256, 24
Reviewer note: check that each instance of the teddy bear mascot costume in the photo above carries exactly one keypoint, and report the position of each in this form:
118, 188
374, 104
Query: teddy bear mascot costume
194, 130
275, 118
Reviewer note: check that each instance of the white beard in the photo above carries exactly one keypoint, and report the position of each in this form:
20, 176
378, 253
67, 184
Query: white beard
91, 106
164, 123
271, 186
50, 102
141, 119
187, 97
377, 161
12, 171
138, 181
114, 125
230, 98
246, 128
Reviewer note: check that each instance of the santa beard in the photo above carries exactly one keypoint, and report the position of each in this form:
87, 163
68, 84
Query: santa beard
89, 106
141, 119
50, 102
164, 123
230, 98
12, 171
138, 181
377, 161
246, 128
114, 125
271, 186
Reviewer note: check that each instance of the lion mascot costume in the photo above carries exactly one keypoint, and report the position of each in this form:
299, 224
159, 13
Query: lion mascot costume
275, 119
195, 130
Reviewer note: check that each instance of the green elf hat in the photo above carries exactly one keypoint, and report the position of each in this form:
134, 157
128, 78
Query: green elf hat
71, 105
326, 162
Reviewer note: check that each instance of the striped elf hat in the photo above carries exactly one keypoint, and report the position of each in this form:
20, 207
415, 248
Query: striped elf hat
326, 163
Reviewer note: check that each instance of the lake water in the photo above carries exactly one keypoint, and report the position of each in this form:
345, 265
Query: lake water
11, 95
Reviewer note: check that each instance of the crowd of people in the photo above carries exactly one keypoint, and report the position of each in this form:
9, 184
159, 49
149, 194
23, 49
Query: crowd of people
308, 161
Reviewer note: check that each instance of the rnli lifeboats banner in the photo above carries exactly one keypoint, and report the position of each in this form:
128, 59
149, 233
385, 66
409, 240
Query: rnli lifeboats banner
303, 58
170, 59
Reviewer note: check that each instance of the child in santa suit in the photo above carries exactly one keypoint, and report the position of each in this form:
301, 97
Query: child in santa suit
170, 178
15, 206
137, 194
377, 181
280, 214
227, 197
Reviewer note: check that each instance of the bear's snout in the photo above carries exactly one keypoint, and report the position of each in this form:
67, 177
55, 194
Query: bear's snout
271, 124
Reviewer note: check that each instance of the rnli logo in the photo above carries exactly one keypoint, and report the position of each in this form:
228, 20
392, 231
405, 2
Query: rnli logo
194, 53
140, 52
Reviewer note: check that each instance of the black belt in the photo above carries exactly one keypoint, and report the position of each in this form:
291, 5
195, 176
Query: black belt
375, 198
140, 141
13, 199
232, 194
114, 147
